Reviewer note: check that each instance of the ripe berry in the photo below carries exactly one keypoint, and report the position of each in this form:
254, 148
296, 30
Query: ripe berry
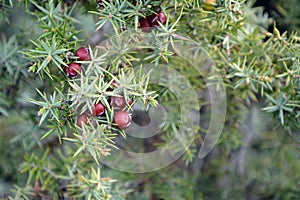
73, 69
117, 102
83, 54
122, 119
155, 18
81, 120
98, 109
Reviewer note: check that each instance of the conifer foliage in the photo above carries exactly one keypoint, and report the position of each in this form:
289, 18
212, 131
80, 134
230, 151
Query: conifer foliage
72, 89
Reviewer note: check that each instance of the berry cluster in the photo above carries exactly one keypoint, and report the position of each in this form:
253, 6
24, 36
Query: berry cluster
74, 68
152, 21
121, 118
149, 21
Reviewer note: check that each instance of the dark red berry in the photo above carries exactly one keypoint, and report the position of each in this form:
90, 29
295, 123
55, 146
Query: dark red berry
98, 109
117, 102
144, 24
73, 69
83, 54
122, 119
155, 18
82, 119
